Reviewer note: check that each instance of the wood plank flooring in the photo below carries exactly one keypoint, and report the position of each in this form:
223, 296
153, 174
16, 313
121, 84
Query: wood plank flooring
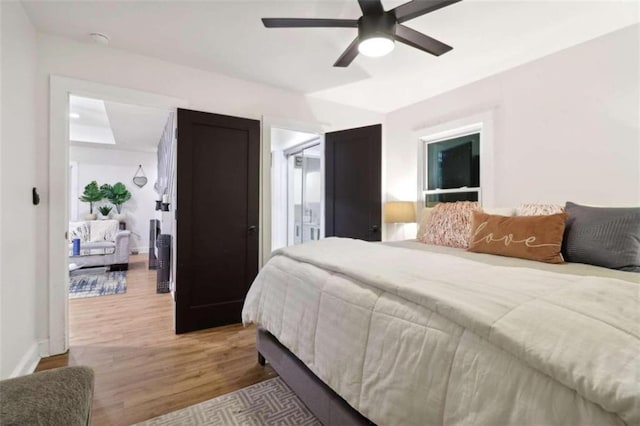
143, 369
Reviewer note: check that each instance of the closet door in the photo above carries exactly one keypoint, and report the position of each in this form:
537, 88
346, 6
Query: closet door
353, 183
217, 217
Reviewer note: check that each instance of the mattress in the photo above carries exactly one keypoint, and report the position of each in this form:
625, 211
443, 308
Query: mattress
409, 334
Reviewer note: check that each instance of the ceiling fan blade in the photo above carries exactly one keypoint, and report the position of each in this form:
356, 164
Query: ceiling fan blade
371, 7
309, 23
420, 41
416, 8
348, 55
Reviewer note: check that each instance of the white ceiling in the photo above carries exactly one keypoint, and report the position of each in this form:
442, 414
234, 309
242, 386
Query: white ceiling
115, 125
88, 121
282, 139
135, 127
228, 37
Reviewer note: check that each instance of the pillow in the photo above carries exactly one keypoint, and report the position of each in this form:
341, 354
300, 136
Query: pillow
501, 211
79, 230
450, 224
425, 216
103, 230
602, 236
527, 237
532, 209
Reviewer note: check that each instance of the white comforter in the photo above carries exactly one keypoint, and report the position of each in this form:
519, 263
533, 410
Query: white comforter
408, 337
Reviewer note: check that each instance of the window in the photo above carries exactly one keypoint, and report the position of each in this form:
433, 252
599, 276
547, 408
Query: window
452, 169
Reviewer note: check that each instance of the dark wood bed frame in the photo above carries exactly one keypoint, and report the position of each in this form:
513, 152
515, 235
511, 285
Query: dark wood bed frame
323, 402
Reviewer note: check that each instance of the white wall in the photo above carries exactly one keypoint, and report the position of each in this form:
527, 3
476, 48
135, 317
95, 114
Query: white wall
111, 166
19, 227
566, 127
203, 90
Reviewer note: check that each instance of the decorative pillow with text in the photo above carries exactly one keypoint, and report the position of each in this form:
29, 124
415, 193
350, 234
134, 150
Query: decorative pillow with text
527, 237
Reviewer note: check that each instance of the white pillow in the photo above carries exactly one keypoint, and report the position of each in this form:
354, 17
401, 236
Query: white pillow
103, 230
500, 211
79, 230
537, 209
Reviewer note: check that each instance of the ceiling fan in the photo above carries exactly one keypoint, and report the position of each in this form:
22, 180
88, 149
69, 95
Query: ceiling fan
377, 29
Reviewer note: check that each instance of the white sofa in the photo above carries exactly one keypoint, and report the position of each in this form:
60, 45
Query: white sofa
95, 236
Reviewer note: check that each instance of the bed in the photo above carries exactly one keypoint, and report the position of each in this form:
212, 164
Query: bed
412, 334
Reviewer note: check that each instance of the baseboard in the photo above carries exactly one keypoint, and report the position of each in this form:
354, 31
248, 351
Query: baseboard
142, 250
43, 348
29, 361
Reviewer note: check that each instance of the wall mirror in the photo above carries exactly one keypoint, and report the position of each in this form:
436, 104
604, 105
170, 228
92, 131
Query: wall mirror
140, 179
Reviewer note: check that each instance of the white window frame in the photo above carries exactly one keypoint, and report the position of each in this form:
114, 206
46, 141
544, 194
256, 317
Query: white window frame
481, 123
474, 130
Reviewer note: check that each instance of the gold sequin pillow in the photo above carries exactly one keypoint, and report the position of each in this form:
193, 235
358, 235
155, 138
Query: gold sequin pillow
450, 224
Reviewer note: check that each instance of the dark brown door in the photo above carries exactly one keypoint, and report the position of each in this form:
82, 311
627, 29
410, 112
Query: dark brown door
353, 191
217, 217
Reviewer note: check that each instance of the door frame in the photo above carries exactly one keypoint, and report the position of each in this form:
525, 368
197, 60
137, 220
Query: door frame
264, 239
58, 197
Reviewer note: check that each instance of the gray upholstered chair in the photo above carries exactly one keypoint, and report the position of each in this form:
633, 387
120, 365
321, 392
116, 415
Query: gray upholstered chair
62, 396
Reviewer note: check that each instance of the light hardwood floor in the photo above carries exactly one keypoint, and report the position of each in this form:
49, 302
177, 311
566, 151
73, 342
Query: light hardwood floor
143, 369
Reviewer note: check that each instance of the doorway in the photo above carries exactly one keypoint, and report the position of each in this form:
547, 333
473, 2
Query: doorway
297, 187
114, 182
61, 190
304, 195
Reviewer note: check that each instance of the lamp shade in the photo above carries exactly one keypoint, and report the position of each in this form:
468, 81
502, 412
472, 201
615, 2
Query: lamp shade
400, 212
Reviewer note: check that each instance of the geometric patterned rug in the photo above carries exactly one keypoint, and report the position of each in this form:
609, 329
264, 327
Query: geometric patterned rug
96, 282
266, 403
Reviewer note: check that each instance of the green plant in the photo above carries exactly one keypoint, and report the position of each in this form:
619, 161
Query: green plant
117, 194
105, 210
92, 194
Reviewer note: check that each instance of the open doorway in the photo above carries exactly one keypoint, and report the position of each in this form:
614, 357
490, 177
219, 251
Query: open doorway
297, 187
71, 163
118, 153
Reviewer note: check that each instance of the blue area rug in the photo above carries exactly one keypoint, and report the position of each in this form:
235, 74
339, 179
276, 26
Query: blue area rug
96, 282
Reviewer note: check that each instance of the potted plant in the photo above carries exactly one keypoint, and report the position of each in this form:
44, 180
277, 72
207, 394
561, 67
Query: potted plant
117, 195
104, 211
92, 194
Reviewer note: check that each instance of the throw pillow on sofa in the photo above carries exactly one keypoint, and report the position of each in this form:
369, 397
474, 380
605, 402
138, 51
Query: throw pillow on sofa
79, 230
103, 230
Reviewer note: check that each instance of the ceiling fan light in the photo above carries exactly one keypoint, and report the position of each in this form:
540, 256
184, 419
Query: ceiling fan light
376, 46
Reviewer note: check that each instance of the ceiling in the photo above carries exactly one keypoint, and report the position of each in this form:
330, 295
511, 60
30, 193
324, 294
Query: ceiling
228, 37
88, 121
282, 139
93, 122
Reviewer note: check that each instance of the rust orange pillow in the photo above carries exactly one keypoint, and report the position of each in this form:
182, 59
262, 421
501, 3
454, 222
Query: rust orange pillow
527, 237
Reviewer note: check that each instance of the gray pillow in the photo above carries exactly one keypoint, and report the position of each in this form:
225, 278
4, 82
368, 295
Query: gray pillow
602, 236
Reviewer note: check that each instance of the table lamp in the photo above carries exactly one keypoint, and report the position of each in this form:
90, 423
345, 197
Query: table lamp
400, 212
